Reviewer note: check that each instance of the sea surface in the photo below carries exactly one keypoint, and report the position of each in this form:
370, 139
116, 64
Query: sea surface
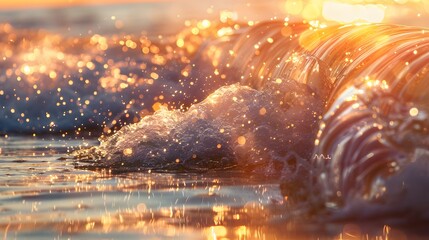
232, 121
44, 196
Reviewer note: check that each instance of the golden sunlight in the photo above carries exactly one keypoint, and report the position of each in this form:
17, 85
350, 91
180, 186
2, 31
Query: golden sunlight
355, 11
14, 4
347, 13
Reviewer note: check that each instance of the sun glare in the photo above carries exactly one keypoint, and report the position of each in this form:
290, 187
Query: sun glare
348, 13
354, 11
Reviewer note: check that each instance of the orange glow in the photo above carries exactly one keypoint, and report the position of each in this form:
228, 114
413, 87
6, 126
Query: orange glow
14, 4
347, 13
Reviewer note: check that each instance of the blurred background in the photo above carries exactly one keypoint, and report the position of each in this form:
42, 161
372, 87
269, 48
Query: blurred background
83, 17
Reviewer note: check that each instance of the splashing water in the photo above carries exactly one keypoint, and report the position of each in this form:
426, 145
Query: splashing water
236, 126
340, 113
54, 84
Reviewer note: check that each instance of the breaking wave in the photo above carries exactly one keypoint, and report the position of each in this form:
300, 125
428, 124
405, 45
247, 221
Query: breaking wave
339, 113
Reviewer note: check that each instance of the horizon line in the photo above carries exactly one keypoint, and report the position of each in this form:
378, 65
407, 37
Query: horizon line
15, 5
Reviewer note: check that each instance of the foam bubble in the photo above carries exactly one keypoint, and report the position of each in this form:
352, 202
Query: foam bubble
225, 130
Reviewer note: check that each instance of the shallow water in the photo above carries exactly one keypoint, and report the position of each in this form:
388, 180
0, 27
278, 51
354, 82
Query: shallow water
43, 196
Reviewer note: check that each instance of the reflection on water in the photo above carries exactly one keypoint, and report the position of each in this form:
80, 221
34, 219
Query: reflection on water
42, 196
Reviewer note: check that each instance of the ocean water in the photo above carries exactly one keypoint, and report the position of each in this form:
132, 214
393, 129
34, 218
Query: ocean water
43, 195
219, 129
